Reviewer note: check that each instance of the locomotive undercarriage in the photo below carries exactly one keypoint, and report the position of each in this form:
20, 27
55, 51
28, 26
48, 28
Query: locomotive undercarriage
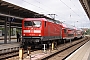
33, 42
37, 42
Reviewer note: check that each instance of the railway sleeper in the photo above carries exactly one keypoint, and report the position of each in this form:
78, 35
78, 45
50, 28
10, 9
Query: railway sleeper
9, 50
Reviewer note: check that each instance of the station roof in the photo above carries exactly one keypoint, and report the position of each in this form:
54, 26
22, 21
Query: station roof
86, 6
16, 13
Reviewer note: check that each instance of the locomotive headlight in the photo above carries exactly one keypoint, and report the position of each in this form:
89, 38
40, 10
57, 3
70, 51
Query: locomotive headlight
23, 34
39, 34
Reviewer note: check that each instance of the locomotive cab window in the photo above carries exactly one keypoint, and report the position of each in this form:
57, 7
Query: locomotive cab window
27, 23
32, 23
36, 23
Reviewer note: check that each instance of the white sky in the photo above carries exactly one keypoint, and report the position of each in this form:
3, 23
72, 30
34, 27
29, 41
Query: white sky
68, 11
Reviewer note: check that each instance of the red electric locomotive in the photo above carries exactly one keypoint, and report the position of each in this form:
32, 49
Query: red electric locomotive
40, 30
37, 31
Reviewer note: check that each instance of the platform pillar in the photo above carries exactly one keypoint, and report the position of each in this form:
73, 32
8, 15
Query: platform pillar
64, 41
9, 29
5, 32
52, 45
70, 41
28, 53
56, 45
44, 47
21, 54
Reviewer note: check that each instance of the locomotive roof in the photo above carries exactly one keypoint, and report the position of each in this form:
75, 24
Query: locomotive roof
64, 25
45, 19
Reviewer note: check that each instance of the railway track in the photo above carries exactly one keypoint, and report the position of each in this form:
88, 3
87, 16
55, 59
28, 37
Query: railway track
9, 53
63, 51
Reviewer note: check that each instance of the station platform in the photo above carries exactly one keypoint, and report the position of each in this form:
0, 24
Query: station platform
83, 53
10, 45
13, 39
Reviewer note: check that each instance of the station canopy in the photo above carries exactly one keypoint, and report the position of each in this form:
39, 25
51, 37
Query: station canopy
15, 14
86, 6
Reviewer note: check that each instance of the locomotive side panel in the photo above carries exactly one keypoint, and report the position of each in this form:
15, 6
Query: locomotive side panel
52, 31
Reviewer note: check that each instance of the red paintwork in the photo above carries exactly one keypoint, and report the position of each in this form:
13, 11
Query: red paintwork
31, 33
78, 33
67, 32
52, 29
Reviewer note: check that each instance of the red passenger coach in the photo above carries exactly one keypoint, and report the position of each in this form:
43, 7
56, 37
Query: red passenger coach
40, 30
79, 33
67, 31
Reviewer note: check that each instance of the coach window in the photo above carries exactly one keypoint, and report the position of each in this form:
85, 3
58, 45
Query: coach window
64, 30
45, 23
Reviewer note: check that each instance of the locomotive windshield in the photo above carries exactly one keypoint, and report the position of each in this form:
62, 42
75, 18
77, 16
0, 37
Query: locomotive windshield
32, 23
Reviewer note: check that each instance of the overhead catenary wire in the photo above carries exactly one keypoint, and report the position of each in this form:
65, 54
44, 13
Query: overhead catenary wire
50, 8
47, 10
63, 18
76, 7
45, 5
35, 5
69, 8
